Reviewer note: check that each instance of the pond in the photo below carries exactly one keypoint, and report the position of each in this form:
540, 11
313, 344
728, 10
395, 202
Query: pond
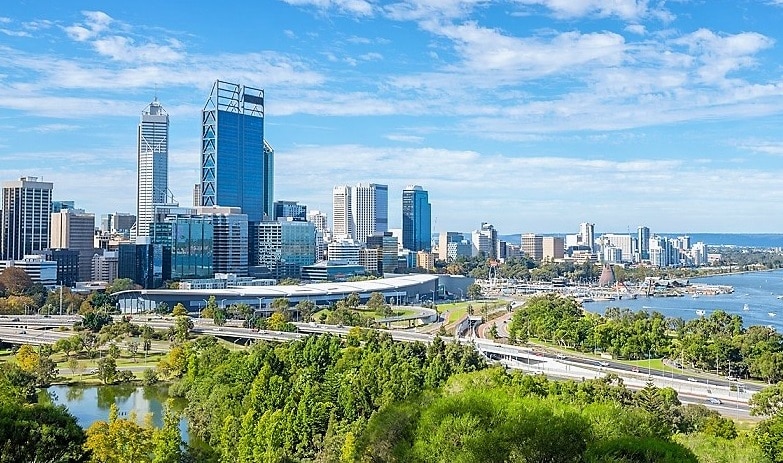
91, 403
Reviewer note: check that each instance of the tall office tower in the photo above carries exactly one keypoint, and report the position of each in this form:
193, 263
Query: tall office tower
75, 229
58, 206
342, 214
25, 217
322, 234
237, 164
153, 165
416, 219
105, 266
197, 195
370, 210
660, 251
553, 248
533, 246
290, 209
485, 240
643, 242
386, 243
587, 235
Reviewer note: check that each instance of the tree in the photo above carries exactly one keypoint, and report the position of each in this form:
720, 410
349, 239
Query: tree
493, 331
74, 365
179, 310
352, 300
167, 441
474, 291
39, 432
107, 370
306, 308
15, 281
119, 440
94, 321
114, 351
133, 349
281, 305
182, 327
219, 317
769, 436
768, 401
377, 303
121, 284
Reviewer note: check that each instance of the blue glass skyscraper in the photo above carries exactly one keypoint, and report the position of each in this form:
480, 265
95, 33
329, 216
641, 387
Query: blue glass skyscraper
416, 219
237, 165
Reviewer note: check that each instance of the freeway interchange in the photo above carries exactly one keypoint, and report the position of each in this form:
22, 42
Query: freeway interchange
715, 393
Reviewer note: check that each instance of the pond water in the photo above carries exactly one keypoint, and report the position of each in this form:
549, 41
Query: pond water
91, 403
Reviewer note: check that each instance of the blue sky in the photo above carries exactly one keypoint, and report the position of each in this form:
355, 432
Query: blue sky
534, 115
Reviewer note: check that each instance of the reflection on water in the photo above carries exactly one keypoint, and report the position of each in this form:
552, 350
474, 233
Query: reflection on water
756, 298
91, 403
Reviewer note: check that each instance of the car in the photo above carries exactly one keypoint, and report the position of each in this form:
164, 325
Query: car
560, 356
714, 400
693, 380
603, 364
635, 369
731, 378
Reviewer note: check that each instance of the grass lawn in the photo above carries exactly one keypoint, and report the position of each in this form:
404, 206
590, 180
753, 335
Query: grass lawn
457, 310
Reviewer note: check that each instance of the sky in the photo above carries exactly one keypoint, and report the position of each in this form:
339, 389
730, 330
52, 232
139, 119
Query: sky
533, 115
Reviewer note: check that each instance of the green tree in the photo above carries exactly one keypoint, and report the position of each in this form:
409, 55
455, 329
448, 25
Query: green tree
121, 284
306, 308
15, 281
39, 432
107, 370
219, 316
182, 327
281, 305
119, 440
352, 300
167, 441
768, 401
114, 351
474, 291
133, 349
94, 321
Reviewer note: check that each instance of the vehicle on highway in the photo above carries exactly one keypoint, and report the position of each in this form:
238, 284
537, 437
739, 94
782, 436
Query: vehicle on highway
560, 356
693, 380
731, 378
603, 364
714, 400
635, 369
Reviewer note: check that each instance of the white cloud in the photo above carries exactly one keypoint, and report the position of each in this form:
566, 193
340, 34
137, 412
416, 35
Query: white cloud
13, 33
763, 147
408, 10
723, 54
624, 9
372, 56
637, 29
404, 138
124, 49
356, 7
95, 23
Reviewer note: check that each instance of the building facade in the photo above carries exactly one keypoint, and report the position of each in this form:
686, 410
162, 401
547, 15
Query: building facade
25, 217
533, 246
386, 243
370, 210
67, 265
285, 246
416, 219
105, 266
553, 248
290, 210
36, 267
75, 229
237, 164
152, 165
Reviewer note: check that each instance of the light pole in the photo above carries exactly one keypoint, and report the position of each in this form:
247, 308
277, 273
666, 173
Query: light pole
223, 304
201, 313
61, 299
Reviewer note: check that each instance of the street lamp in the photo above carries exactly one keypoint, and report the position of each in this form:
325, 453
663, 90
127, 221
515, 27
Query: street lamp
201, 313
223, 304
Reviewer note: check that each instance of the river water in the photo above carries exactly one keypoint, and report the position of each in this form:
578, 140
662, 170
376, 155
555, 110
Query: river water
756, 291
91, 403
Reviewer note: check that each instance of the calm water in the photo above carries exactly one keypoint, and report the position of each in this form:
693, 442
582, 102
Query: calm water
759, 290
91, 403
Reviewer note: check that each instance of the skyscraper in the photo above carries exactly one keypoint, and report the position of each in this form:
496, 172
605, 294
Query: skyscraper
25, 217
237, 165
342, 215
643, 242
416, 219
370, 210
153, 165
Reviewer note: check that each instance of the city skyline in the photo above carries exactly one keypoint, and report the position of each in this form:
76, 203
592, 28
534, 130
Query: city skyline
534, 115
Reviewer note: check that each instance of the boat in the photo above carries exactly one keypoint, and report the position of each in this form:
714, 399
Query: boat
695, 296
771, 314
780, 297
700, 313
745, 307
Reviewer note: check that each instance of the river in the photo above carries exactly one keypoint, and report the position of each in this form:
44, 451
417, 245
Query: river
91, 403
755, 291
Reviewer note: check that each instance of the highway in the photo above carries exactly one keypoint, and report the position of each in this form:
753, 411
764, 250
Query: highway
40, 330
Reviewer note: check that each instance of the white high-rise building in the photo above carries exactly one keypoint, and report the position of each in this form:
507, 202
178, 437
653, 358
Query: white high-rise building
24, 228
153, 165
370, 210
342, 214
360, 211
626, 243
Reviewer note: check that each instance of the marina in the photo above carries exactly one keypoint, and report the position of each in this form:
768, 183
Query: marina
755, 297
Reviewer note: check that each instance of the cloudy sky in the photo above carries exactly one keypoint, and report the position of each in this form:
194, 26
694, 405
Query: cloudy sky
534, 115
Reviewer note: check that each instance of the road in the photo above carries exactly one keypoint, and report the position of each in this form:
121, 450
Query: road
554, 364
